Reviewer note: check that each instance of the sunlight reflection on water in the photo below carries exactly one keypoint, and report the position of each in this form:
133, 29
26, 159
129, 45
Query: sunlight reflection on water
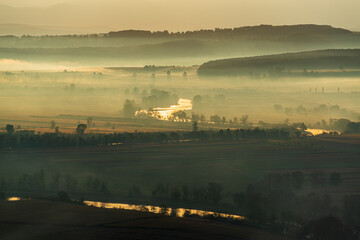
166, 113
319, 131
180, 212
13, 199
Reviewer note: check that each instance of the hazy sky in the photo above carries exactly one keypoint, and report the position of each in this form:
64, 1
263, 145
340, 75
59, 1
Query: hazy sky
180, 15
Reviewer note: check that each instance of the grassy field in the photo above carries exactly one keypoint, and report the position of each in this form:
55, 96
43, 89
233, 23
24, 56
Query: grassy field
233, 165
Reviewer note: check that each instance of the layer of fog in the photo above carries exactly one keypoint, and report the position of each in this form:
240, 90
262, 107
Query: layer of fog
103, 92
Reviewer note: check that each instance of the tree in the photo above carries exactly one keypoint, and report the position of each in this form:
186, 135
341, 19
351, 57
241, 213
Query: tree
160, 191
214, 191
55, 184
81, 128
235, 121
195, 126
278, 107
239, 199
215, 119
179, 115
244, 120
335, 179
317, 179
89, 122
197, 101
9, 129
130, 108
351, 209
63, 196
301, 110
175, 193
52, 124
70, 184
134, 191
104, 189
327, 227
195, 117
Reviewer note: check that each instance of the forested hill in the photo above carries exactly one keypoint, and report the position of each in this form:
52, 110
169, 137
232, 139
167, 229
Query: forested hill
285, 32
340, 60
261, 31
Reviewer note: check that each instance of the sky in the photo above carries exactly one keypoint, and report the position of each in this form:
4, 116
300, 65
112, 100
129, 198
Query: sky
178, 15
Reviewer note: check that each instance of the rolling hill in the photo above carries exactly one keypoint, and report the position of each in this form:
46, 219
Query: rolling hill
284, 64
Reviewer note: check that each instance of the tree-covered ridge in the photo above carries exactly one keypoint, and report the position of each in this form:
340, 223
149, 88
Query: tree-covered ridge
338, 59
300, 30
261, 30
28, 139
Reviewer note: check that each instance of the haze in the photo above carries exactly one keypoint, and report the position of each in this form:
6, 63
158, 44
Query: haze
176, 15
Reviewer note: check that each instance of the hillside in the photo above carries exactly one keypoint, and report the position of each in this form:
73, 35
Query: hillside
288, 63
57, 220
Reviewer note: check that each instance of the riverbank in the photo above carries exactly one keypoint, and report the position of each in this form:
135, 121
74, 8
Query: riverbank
40, 219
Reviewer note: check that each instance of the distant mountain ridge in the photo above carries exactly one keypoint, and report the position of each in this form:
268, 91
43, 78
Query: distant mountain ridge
268, 31
175, 48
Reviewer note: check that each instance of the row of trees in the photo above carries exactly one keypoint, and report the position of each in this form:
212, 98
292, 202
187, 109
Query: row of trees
24, 138
211, 194
322, 109
39, 182
277, 203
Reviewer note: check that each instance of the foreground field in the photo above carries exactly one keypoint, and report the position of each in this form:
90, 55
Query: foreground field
55, 220
232, 164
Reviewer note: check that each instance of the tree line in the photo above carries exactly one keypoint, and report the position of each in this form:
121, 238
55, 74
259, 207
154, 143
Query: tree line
25, 138
40, 182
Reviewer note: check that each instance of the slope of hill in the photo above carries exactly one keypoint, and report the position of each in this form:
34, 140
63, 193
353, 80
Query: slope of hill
56, 220
335, 59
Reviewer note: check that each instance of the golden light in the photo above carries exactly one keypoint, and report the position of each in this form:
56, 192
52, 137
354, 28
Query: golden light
166, 113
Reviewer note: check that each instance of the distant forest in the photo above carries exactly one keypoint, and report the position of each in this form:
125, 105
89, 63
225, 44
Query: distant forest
260, 31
